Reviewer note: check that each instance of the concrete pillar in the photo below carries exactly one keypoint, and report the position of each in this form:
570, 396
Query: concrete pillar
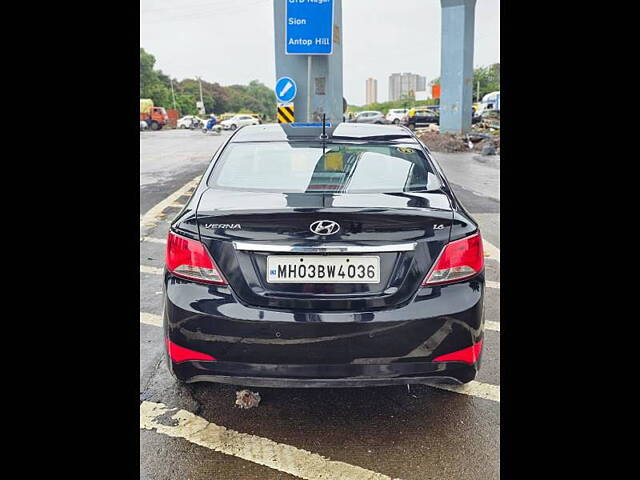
326, 70
456, 68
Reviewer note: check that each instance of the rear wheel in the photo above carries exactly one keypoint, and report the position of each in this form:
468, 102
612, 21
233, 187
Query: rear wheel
396, 121
234, 126
183, 126
412, 126
154, 125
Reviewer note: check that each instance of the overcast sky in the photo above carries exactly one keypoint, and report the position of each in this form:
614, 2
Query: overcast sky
231, 41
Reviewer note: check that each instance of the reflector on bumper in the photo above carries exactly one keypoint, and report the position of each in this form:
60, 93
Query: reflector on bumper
180, 354
467, 355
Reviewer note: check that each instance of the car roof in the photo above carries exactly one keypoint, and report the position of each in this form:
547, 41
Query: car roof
275, 132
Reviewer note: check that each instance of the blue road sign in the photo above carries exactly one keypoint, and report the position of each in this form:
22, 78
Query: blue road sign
309, 27
286, 89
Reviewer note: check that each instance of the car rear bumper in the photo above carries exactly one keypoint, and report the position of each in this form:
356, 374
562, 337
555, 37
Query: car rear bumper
259, 347
317, 376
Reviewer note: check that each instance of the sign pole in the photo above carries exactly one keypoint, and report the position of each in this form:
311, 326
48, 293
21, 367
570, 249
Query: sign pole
309, 88
305, 28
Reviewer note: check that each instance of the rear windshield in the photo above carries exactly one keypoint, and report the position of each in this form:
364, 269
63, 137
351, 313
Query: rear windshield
304, 168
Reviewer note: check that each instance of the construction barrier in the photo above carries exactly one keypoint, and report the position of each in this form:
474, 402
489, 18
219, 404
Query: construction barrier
285, 113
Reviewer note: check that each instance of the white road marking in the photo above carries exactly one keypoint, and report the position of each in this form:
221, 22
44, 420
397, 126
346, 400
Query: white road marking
151, 218
490, 249
489, 325
491, 284
475, 389
151, 319
153, 270
284, 458
154, 240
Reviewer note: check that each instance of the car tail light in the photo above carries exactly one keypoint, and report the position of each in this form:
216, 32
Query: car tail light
189, 258
180, 354
460, 259
467, 355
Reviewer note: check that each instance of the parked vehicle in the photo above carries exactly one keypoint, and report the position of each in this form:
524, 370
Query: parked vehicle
301, 262
490, 118
491, 101
143, 125
226, 116
155, 117
239, 121
189, 121
395, 115
370, 117
421, 117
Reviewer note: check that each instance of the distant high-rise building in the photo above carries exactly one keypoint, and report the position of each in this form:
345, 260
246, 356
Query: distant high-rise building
372, 91
405, 85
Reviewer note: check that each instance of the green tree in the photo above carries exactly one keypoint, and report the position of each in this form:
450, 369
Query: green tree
186, 104
160, 95
489, 78
154, 84
147, 75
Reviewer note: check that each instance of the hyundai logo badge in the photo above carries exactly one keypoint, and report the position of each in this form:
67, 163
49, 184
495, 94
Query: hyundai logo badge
324, 227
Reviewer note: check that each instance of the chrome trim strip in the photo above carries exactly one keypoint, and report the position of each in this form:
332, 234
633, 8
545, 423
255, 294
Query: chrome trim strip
326, 248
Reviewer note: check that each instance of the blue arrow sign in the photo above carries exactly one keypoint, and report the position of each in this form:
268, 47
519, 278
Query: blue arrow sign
309, 27
286, 89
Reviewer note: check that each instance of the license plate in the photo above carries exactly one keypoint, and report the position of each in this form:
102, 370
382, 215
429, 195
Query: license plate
322, 269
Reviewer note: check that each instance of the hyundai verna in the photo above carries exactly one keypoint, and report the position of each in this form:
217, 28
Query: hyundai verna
306, 259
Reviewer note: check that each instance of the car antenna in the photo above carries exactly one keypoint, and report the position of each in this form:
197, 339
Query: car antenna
324, 137
324, 125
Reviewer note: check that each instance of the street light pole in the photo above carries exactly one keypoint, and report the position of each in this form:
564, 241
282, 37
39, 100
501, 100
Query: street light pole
173, 94
201, 100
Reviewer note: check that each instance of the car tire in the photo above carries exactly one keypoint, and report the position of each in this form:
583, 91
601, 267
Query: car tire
183, 127
396, 121
412, 126
155, 126
233, 127
378, 123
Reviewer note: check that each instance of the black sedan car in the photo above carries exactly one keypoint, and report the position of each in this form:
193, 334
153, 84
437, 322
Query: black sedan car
311, 260
422, 117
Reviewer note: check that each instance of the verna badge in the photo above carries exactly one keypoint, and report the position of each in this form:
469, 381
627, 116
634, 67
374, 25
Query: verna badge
324, 227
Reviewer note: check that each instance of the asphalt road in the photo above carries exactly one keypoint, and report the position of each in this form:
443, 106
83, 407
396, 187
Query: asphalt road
170, 158
385, 432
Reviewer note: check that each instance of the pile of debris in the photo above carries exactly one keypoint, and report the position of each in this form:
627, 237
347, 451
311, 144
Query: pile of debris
484, 143
488, 146
445, 142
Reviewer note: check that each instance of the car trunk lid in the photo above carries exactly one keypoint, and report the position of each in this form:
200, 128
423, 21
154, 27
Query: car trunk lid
242, 229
